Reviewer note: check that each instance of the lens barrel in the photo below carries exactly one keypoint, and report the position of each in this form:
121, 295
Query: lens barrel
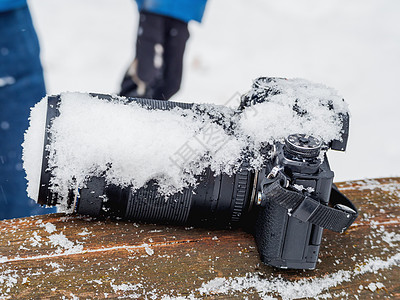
222, 200
219, 200
46, 196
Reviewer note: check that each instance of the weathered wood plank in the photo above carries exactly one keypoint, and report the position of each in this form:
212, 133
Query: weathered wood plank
55, 256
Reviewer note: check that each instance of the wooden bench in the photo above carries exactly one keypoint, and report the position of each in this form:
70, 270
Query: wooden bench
70, 256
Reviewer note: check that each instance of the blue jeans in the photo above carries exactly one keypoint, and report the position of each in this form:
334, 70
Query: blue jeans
21, 86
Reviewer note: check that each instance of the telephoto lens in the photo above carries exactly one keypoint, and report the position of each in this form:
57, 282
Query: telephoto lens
262, 165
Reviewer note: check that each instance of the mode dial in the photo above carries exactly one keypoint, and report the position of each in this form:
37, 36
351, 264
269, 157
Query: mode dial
303, 145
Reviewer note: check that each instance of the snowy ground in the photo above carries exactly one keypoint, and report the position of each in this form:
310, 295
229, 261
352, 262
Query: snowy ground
351, 46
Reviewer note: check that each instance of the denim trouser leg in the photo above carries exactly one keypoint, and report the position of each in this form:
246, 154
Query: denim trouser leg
21, 86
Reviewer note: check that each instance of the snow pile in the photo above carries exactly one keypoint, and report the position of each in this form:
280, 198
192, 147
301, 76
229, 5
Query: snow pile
129, 145
287, 290
293, 106
36, 240
8, 280
33, 147
125, 287
64, 245
303, 288
375, 286
84, 232
148, 250
49, 227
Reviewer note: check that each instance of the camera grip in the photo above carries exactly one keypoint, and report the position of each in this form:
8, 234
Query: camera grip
270, 231
284, 241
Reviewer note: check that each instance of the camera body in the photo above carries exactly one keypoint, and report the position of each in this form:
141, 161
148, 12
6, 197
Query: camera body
285, 201
283, 240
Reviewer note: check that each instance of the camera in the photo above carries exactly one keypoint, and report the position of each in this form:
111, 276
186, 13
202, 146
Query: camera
287, 199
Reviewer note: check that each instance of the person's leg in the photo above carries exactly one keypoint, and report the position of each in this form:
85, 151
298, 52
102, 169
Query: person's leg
21, 86
144, 74
176, 36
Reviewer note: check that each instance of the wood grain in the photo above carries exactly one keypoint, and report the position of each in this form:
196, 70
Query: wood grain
56, 256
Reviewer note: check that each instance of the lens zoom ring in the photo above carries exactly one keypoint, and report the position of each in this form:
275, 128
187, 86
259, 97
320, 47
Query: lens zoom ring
147, 205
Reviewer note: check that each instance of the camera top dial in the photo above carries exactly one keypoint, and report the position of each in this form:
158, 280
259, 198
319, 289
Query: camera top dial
303, 146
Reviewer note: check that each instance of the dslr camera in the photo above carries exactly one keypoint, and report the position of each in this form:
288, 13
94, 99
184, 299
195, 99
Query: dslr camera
287, 201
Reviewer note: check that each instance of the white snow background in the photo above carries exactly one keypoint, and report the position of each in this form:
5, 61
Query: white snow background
352, 46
